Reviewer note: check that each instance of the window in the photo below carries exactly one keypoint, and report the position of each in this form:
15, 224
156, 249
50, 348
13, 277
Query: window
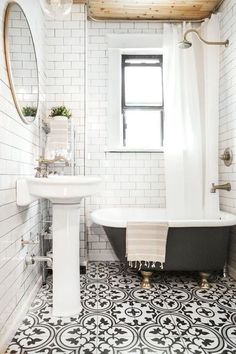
142, 101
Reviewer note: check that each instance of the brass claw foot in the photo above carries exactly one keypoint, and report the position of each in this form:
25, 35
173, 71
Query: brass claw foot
204, 284
145, 284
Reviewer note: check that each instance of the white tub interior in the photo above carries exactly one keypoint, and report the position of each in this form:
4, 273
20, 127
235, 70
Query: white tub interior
118, 217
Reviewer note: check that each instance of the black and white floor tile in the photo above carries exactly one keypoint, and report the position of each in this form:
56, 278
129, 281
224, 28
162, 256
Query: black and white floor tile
118, 317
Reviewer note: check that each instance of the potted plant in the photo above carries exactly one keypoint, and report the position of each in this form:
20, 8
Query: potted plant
60, 113
29, 111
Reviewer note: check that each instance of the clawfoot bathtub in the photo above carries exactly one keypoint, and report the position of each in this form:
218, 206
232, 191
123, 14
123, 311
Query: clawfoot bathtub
192, 245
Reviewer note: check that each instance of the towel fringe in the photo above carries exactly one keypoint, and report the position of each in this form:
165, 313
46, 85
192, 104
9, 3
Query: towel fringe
147, 264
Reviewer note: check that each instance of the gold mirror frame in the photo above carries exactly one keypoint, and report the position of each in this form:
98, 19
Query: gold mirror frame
8, 61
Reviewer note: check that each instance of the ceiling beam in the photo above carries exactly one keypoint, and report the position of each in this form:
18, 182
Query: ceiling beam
148, 10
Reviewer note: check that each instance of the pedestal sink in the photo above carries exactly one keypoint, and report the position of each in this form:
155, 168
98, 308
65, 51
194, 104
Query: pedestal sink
65, 193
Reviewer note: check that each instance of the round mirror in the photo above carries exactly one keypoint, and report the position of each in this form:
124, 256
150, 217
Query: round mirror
21, 62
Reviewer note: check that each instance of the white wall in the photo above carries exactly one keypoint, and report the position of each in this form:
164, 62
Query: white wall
19, 146
227, 136
131, 179
65, 79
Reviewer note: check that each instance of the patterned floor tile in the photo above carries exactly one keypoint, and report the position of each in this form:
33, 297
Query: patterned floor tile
147, 350
79, 336
118, 317
113, 335
162, 335
34, 338
144, 295
199, 337
125, 281
214, 294
209, 314
207, 344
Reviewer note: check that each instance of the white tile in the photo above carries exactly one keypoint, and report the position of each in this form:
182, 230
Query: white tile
19, 146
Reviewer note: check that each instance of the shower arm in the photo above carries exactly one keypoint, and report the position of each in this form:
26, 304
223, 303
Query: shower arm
225, 43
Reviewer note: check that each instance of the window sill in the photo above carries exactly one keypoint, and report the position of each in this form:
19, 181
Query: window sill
135, 150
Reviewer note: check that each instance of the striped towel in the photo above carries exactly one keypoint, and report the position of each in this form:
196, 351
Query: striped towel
57, 140
146, 242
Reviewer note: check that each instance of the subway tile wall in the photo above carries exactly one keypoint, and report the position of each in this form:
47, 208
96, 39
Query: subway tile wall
138, 179
65, 40
227, 137
130, 179
19, 147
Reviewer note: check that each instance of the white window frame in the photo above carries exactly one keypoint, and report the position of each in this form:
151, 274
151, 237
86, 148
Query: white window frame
119, 45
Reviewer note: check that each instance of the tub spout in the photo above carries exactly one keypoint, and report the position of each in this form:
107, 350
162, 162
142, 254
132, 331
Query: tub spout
226, 187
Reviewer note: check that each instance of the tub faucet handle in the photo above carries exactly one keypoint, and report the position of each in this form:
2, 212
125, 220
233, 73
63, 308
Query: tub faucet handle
213, 190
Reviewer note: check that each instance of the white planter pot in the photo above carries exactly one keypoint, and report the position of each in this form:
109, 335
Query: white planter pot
29, 118
56, 118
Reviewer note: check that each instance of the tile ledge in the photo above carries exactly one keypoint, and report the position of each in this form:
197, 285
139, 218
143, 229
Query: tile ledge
135, 150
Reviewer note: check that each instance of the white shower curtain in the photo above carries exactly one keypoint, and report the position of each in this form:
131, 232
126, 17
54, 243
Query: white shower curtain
191, 80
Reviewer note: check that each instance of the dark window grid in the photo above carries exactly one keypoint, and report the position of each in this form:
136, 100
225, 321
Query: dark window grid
141, 107
147, 57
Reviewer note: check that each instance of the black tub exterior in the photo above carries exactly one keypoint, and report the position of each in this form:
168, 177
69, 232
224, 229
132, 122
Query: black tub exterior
188, 248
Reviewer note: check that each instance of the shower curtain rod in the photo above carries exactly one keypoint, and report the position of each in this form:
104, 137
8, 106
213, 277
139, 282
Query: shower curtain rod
102, 19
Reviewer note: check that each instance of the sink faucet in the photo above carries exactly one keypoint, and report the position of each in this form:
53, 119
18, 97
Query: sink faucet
226, 187
42, 168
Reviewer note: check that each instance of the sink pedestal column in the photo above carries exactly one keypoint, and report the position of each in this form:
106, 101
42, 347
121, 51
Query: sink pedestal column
66, 262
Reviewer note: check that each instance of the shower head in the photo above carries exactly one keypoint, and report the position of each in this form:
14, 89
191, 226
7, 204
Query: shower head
185, 44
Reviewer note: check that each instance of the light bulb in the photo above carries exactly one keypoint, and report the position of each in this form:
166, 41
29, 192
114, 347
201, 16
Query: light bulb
54, 8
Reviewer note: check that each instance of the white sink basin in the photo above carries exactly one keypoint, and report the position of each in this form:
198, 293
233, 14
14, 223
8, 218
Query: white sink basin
58, 189
65, 193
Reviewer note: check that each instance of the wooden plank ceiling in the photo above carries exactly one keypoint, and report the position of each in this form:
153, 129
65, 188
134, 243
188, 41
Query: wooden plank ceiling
150, 9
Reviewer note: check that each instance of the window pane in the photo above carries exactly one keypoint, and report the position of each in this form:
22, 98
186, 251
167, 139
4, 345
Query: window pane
143, 129
142, 61
143, 86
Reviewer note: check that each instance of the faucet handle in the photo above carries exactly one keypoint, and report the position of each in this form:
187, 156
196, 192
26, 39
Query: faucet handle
44, 172
227, 157
213, 189
38, 172
40, 160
